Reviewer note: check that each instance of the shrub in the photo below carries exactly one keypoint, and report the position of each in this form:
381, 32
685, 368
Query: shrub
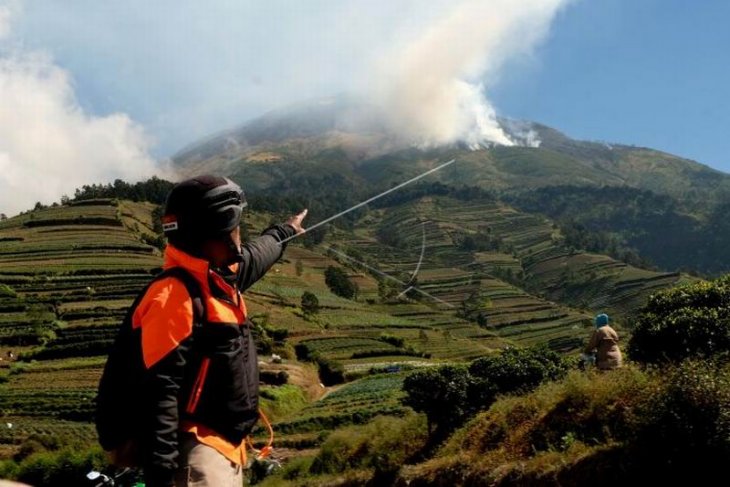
440, 393
382, 445
451, 394
392, 339
690, 412
64, 467
274, 377
330, 371
310, 303
279, 335
519, 369
7, 291
688, 321
338, 282
302, 351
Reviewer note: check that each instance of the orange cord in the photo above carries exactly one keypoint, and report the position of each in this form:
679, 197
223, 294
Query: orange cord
265, 451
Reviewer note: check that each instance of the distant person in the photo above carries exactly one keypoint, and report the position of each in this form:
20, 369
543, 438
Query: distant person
604, 344
199, 396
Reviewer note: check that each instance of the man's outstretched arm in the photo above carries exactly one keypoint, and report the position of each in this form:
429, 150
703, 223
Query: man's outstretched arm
262, 252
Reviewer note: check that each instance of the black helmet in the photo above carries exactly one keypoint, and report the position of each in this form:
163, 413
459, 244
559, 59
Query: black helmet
201, 208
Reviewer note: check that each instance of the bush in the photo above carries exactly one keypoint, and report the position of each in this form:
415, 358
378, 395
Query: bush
274, 377
279, 335
668, 426
302, 351
68, 466
330, 371
440, 393
451, 394
685, 322
7, 291
310, 303
519, 369
392, 339
691, 415
338, 282
382, 445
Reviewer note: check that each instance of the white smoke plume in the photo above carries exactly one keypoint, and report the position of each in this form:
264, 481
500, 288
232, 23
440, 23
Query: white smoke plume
432, 86
48, 144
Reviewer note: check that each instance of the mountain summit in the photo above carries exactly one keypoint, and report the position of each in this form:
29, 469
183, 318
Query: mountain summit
669, 210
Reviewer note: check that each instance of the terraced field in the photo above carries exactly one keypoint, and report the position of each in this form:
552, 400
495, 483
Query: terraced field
491, 277
353, 403
69, 273
529, 287
453, 275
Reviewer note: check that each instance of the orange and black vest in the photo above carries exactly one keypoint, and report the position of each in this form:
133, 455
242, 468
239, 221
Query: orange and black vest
185, 359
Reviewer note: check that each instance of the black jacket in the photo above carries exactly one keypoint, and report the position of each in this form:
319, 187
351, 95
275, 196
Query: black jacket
211, 377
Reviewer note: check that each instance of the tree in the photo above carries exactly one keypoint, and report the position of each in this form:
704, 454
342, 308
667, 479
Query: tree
310, 303
3, 216
684, 322
440, 393
519, 369
338, 282
474, 308
387, 289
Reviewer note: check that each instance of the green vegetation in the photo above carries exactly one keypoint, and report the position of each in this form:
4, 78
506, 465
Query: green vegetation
67, 466
691, 321
381, 446
640, 227
505, 279
310, 303
153, 190
594, 426
450, 394
339, 283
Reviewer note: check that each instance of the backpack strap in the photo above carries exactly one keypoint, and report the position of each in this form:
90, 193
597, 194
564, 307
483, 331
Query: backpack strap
200, 314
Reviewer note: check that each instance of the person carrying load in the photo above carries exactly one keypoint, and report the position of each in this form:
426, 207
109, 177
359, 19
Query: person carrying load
604, 344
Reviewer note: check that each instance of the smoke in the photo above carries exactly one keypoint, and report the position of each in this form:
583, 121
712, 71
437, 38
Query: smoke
184, 70
48, 144
432, 87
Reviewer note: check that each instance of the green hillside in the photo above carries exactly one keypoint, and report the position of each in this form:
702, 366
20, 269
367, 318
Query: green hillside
307, 154
68, 274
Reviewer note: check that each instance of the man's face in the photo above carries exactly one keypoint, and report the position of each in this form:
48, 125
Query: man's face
219, 252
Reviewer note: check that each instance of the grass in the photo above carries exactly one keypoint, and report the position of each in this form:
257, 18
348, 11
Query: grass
618, 426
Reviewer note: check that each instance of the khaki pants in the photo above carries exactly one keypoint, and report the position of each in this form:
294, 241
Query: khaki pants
203, 466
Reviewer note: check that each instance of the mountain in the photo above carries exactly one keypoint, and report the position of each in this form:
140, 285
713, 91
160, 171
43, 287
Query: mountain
312, 131
666, 210
507, 246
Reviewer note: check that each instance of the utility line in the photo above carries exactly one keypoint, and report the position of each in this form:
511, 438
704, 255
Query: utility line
388, 276
370, 200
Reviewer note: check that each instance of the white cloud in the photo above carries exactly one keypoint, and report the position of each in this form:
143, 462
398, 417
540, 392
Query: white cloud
189, 69
49, 146
8, 10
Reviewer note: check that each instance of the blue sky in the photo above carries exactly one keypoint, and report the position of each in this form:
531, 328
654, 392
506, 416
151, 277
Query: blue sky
653, 73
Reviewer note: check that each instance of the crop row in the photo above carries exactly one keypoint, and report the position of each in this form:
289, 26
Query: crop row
66, 404
21, 428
